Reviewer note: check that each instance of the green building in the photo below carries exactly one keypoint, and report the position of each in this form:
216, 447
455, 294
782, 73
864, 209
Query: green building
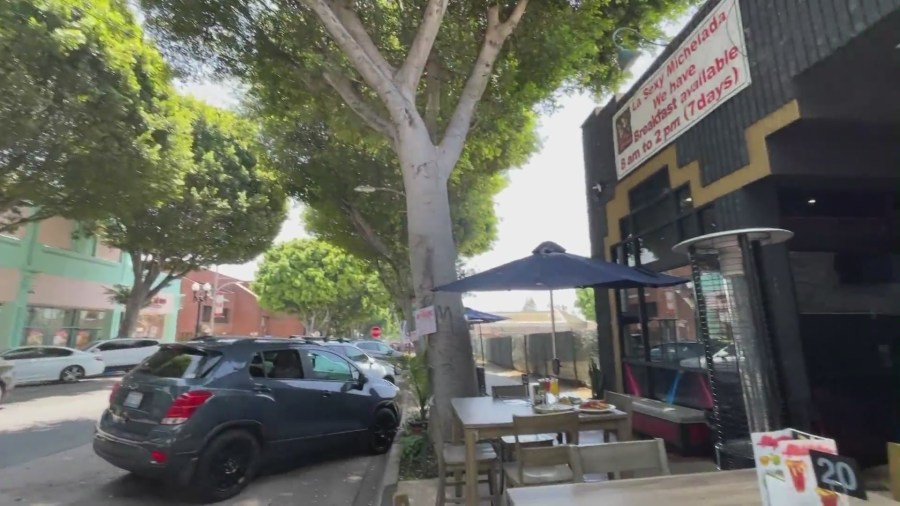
53, 289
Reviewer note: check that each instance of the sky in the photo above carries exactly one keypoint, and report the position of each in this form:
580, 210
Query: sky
544, 201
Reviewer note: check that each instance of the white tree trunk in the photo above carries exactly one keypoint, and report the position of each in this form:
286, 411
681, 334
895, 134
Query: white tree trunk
432, 253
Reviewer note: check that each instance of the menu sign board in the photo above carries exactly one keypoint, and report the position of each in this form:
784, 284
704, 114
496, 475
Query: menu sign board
707, 69
785, 469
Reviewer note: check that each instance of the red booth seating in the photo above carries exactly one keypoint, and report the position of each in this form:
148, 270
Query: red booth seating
682, 428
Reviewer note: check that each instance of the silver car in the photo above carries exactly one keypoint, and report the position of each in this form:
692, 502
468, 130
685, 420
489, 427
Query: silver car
7, 379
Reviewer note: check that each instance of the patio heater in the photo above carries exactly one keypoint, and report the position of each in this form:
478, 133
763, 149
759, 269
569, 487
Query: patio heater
736, 340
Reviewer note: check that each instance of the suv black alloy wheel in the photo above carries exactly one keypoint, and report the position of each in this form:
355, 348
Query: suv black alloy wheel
382, 432
227, 465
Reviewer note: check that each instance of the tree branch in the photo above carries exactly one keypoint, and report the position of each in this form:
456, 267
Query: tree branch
357, 104
432, 99
496, 34
345, 13
411, 72
381, 84
162, 284
365, 230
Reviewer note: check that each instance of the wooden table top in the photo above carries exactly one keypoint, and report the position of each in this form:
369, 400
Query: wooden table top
483, 412
723, 488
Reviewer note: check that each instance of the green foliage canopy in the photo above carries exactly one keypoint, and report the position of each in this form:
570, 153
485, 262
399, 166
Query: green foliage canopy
292, 64
229, 209
88, 122
584, 301
330, 290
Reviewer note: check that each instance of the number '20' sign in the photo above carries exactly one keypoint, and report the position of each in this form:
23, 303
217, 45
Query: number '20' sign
838, 473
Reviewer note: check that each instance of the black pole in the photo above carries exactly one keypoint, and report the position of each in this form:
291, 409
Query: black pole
481, 338
197, 326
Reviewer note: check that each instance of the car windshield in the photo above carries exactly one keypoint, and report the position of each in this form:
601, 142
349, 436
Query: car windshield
355, 354
180, 362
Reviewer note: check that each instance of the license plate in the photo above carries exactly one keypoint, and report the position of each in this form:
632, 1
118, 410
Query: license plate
133, 400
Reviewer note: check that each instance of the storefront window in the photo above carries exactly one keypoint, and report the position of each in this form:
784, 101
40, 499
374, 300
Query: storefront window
658, 243
671, 323
64, 327
652, 217
648, 191
708, 223
683, 200
150, 325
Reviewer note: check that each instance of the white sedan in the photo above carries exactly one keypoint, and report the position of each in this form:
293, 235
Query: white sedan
369, 365
52, 363
123, 353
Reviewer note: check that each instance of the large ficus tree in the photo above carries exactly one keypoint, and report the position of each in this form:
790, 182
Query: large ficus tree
325, 173
413, 73
88, 121
229, 210
330, 290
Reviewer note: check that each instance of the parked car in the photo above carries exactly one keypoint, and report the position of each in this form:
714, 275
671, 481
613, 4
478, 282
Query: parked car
123, 353
52, 363
370, 366
7, 379
724, 360
376, 349
206, 414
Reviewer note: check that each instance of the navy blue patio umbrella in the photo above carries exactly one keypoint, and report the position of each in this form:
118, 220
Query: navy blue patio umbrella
474, 317
549, 267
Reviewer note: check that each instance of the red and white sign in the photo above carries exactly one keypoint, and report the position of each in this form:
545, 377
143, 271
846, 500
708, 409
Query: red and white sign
375, 332
426, 323
158, 305
707, 69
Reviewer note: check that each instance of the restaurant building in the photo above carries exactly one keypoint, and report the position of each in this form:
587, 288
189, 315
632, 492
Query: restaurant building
54, 289
761, 113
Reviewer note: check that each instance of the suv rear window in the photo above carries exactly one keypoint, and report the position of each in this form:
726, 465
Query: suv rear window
180, 362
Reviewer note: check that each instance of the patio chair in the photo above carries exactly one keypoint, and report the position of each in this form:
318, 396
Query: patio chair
599, 462
543, 465
507, 443
451, 459
622, 402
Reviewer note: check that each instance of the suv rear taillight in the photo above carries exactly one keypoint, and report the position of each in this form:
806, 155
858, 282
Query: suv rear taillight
112, 394
184, 406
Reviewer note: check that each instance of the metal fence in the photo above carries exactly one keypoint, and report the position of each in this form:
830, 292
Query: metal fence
533, 353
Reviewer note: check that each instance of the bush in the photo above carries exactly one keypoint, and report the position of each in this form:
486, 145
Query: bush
417, 460
420, 386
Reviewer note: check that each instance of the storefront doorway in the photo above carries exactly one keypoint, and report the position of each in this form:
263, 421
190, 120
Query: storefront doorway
848, 296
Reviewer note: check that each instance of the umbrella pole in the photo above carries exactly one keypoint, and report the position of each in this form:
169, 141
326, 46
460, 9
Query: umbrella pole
481, 339
553, 334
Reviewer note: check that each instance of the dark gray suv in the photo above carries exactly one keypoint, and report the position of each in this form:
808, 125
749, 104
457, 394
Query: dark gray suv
207, 413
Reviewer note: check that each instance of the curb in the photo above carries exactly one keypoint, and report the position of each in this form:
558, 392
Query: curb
391, 477
388, 487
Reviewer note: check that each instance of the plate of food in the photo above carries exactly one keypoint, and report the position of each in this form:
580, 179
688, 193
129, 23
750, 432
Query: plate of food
553, 408
596, 406
570, 399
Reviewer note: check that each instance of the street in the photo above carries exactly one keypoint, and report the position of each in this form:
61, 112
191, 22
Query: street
46, 458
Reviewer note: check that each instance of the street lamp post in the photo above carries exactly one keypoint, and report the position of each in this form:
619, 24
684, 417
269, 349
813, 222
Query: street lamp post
201, 294
372, 189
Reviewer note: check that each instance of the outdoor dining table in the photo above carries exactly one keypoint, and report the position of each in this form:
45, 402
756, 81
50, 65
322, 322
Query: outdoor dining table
721, 488
487, 418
